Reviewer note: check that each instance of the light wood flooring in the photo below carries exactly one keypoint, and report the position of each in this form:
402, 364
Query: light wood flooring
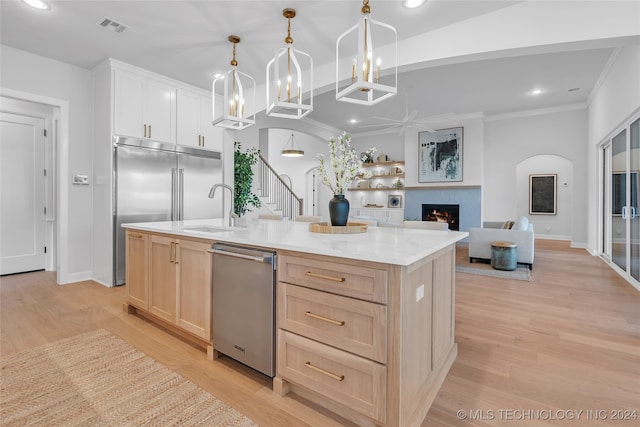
566, 342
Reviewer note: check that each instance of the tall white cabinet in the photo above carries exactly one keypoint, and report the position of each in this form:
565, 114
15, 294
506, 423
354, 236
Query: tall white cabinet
144, 107
129, 101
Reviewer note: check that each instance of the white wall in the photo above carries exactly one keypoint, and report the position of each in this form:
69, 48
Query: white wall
511, 141
614, 101
25, 72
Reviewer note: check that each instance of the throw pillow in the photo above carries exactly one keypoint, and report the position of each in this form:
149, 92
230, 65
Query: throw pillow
521, 224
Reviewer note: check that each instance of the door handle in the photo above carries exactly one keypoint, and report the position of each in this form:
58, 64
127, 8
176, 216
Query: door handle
180, 194
624, 212
174, 213
243, 256
145, 130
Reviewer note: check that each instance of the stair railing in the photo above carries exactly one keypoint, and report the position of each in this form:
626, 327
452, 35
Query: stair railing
277, 192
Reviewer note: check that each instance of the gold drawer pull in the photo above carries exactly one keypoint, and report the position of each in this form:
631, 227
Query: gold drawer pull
135, 236
322, 276
322, 371
325, 319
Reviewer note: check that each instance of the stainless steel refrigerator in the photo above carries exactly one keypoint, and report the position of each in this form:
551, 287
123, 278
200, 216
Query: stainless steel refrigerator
160, 182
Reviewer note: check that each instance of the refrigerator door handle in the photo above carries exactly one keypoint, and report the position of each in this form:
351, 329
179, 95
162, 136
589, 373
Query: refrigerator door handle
181, 194
174, 211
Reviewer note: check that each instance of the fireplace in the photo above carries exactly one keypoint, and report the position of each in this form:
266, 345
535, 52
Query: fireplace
442, 213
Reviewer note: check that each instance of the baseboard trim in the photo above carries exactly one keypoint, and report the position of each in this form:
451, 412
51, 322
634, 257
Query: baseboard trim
80, 276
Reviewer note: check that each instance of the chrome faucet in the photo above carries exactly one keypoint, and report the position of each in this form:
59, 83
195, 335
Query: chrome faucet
212, 193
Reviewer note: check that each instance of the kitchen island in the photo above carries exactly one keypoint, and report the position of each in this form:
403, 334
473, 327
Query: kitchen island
365, 322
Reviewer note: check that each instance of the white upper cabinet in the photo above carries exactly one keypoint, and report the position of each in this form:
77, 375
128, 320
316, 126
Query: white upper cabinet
144, 108
194, 121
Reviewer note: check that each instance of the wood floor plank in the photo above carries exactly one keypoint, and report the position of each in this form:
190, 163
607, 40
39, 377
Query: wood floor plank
568, 340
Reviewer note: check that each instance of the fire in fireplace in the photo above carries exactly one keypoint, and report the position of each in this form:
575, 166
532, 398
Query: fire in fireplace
442, 213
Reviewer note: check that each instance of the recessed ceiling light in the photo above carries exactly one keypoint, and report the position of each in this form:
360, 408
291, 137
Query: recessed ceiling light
536, 92
37, 4
411, 4
352, 121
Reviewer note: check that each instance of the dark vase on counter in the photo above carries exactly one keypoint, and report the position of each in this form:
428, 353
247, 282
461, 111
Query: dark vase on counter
339, 210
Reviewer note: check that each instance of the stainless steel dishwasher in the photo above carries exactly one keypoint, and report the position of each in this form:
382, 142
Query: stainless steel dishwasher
243, 305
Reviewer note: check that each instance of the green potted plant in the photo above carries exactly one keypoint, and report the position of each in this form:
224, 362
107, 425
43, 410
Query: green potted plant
243, 162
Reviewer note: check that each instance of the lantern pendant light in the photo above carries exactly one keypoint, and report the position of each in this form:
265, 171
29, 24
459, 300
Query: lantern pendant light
359, 63
236, 113
289, 74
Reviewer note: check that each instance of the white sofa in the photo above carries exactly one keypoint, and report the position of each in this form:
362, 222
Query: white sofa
480, 241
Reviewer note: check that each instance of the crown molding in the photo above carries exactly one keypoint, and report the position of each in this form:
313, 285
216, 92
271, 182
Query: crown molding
538, 112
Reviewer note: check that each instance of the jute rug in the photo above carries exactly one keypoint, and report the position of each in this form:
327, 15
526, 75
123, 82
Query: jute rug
96, 379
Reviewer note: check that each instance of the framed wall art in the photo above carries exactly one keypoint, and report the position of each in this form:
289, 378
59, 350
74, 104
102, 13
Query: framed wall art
440, 155
543, 194
395, 201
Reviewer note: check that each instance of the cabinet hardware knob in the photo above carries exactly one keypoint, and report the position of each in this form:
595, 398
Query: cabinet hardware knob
149, 131
145, 130
322, 371
135, 236
325, 319
322, 276
175, 253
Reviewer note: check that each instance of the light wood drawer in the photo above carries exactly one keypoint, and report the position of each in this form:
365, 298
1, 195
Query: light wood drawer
340, 376
355, 281
356, 326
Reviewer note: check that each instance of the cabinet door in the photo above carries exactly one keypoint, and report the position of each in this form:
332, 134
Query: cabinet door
160, 111
137, 262
194, 288
129, 98
212, 135
188, 119
162, 278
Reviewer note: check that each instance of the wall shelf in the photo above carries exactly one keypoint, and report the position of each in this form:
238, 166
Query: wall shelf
373, 165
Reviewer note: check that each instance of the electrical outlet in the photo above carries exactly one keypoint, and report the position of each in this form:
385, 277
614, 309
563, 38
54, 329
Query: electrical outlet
420, 293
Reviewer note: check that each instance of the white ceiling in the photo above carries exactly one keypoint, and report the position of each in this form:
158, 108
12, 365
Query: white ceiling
187, 40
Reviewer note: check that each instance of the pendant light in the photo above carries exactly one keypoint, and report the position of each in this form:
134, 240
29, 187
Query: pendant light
291, 149
288, 73
359, 63
236, 113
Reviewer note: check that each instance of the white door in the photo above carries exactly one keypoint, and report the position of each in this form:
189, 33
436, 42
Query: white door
22, 194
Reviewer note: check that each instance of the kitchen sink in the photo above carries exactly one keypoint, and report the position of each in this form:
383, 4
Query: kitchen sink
205, 228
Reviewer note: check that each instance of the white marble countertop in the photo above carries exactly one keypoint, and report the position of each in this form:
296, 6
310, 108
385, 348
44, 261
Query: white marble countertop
399, 246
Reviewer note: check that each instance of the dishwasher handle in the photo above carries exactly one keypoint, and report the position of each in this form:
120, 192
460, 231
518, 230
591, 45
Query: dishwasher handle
243, 256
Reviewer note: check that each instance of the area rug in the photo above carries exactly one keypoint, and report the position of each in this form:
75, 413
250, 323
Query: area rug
520, 273
96, 379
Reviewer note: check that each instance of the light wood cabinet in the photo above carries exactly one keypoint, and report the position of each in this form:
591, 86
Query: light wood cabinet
162, 277
195, 117
194, 287
171, 279
144, 108
372, 342
137, 261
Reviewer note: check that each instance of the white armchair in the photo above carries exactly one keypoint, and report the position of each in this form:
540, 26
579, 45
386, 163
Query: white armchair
480, 241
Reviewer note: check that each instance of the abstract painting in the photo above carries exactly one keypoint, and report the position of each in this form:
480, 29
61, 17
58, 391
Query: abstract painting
440, 155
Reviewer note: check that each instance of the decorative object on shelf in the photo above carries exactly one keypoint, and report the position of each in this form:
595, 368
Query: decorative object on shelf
366, 157
440, 155
287, 73
236, 112
291, 149
343, 169
395, 201
356, 79
542, 194
383, 158
243, 179
398, 183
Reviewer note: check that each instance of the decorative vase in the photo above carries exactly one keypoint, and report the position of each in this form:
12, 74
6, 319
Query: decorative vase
339, 210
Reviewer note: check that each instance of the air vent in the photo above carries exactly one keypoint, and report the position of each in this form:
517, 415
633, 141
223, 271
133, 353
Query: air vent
111, 25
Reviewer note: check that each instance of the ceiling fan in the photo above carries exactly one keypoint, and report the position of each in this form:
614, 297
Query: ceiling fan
409, 120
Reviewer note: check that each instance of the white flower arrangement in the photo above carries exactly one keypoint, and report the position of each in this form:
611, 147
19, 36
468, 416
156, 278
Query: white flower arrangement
345, 164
